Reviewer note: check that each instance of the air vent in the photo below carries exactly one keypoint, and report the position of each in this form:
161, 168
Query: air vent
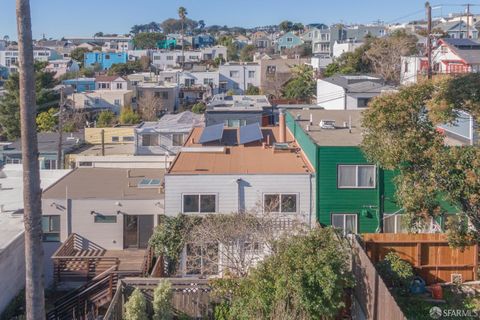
456, 278
327, 124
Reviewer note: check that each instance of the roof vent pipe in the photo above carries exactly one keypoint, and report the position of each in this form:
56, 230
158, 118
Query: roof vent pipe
311, 119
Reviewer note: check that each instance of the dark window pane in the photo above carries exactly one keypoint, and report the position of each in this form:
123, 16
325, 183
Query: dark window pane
190, 203
55, 223
289, 203
105, 219
272, 203
207, 203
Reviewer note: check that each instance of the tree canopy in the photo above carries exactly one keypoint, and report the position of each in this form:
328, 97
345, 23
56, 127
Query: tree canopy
77, 54
401, 134
302, 85
147, 40
304, 278
9, 103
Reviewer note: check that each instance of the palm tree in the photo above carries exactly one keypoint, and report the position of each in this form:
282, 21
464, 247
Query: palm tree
34, 288
182, 14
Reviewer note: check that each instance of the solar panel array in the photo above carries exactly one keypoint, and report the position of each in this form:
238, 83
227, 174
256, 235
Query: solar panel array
212, 133
250, 133
149, 183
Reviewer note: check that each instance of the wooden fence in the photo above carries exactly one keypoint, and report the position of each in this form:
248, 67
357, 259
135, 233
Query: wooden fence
372, 299
429, 254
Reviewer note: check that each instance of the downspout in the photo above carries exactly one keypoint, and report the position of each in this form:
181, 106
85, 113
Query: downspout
311, 200
381, 198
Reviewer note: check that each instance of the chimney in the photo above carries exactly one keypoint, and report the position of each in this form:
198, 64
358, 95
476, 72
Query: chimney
282, 127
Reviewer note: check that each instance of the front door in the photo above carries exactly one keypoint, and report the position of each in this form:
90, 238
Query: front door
137, 231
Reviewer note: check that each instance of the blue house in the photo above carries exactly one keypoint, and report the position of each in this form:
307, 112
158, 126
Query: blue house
288, 40
81, 84
104, 59
202, 41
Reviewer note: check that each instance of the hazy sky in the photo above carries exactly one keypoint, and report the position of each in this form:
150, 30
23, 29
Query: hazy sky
57, 18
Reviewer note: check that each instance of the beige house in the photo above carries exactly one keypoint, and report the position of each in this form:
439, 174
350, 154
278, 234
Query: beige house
113, 100
154, 99
275, 72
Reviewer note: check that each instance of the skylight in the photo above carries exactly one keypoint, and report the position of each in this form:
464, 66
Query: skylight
149, 183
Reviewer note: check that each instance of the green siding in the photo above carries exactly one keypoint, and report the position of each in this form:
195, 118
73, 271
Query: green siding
306, 143
363, 202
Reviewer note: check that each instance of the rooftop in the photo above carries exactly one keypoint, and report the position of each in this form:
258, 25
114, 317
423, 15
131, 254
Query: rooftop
114, 149
221, 102
359, 83
48, 142
466, 49
228, 157
181, 122
340, 135
105, 78
108, 183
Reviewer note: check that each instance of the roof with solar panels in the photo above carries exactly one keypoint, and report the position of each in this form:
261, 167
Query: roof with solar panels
250, 149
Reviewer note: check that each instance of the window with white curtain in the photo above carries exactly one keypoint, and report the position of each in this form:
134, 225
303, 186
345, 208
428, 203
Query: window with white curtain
394, 223
356, 176
346, 222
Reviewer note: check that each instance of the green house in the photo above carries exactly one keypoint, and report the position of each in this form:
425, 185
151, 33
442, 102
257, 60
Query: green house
352, 193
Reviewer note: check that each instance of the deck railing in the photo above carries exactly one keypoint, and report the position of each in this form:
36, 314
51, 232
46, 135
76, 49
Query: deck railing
79, 260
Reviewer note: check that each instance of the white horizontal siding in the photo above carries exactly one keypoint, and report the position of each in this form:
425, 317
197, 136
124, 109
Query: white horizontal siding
227, 190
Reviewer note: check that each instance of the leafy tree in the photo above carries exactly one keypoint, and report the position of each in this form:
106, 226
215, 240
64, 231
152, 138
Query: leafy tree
170, 237
9, 103
47, 121
232, 48
285, 26
105, 119
302, 85
162, 296
351, 62
397, 273
247, 52
304, 278
199, 108
230, 92
201, 25
175, 25
252, 91
78, 54
123, 69
98, 34
136, 306
149, 27
147, 40
401, 134
128, 116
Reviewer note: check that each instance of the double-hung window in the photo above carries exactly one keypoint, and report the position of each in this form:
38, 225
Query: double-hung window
356, 176
394, 223
177, 139
51, 228
280, 203
199, 203
346, 222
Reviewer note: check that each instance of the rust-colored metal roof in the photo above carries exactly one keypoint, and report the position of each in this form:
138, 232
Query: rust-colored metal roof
226, 157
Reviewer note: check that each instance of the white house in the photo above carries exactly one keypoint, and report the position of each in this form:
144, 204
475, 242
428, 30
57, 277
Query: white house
111, 83
168, 59
239, 77
341, 47
343, 92
104, 99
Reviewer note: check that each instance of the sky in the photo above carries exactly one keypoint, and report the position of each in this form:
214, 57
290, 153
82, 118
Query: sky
57, 18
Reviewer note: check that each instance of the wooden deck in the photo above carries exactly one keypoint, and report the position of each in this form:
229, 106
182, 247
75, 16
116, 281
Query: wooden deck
79, 260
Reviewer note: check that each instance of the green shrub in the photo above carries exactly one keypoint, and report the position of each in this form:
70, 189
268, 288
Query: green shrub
162, 296
396, 273
105, 119
136, 306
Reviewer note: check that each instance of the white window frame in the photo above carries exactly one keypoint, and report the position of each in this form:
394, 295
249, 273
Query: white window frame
199, 203
356, 176
345, 220
397, 222
297, 201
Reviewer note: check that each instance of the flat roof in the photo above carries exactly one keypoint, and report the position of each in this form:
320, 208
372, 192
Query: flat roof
341, 135
106, 183
11, 197
228, 157
113, 149
48, 142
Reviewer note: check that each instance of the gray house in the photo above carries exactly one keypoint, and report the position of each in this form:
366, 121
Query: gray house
237, 111
11, 152
167, 135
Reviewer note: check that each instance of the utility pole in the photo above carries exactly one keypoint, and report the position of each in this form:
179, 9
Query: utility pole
429, 39
468, 21
60, 131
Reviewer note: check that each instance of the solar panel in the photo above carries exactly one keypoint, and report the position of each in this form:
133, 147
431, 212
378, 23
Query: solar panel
211, 133
250, 133
149, 183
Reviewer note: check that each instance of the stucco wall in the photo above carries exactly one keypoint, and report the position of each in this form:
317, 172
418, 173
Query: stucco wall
12, 270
